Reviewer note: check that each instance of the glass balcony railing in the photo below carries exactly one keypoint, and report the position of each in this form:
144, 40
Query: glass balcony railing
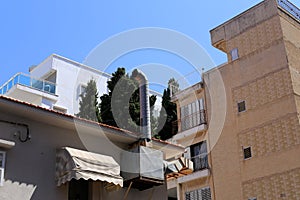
26, 80
289, 7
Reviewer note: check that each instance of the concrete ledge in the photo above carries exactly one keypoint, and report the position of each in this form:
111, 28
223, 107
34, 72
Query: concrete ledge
194, 176
6, 144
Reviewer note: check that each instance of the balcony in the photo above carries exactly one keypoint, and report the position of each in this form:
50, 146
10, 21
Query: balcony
200, 162
26, 80
290, 8
188, 126
193, 120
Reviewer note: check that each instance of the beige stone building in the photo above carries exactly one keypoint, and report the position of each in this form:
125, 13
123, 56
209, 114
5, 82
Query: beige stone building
241, 124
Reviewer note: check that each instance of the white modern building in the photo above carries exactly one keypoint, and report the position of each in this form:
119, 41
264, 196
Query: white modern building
56, 83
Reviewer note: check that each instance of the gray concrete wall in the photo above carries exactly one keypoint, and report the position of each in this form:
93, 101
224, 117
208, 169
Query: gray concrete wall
30, 166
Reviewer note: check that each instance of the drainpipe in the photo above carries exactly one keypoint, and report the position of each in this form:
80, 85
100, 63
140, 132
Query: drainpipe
140, 77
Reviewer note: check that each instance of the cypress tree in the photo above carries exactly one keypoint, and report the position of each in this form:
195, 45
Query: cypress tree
168, 115
88, 105
124, 97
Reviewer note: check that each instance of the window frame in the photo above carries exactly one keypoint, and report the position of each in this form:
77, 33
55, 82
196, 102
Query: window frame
80, 89
204, 155
2, 167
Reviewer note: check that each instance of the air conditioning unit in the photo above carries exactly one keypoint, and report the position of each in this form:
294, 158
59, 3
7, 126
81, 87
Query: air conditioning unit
142, 168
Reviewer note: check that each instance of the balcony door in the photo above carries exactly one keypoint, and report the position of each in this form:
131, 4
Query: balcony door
199, 156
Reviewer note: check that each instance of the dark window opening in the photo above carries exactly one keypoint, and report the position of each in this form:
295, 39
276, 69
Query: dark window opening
241, 106
247, 153
199, 156
78, 190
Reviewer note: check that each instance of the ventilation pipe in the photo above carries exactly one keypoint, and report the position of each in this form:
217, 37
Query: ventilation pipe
140, 77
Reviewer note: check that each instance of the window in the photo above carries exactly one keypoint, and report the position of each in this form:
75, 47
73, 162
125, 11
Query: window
241, 106
200, 194
234, 54
81, 89
247, 153
199, 156
2, 167
192, 115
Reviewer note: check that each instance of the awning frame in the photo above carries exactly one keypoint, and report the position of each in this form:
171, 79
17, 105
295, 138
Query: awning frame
78, 164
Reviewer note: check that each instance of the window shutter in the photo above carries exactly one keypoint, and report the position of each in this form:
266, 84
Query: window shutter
201, 104
200, 194
187, 196
190, 119
184, 118
206, 195
194, 114
197, 112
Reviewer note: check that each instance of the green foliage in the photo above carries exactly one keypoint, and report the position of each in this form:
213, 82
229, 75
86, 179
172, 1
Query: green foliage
121, 107
168, 114
88, 105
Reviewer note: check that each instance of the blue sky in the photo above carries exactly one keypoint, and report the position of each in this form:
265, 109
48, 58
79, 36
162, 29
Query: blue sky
32, 30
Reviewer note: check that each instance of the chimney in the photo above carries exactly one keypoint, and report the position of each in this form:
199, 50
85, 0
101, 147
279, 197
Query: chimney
140, 77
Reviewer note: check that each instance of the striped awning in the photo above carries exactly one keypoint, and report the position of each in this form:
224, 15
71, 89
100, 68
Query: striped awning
76, 164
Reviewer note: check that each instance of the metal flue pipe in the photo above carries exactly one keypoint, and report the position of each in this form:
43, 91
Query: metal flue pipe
140, 77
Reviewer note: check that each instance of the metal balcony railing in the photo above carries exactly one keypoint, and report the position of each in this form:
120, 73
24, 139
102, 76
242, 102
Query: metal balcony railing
189, 121
26, 80
290, 8
200, 162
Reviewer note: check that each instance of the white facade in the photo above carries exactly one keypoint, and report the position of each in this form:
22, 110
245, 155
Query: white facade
70, 78
57, 83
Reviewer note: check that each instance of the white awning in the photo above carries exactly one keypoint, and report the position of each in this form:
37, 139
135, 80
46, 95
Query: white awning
76, 164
